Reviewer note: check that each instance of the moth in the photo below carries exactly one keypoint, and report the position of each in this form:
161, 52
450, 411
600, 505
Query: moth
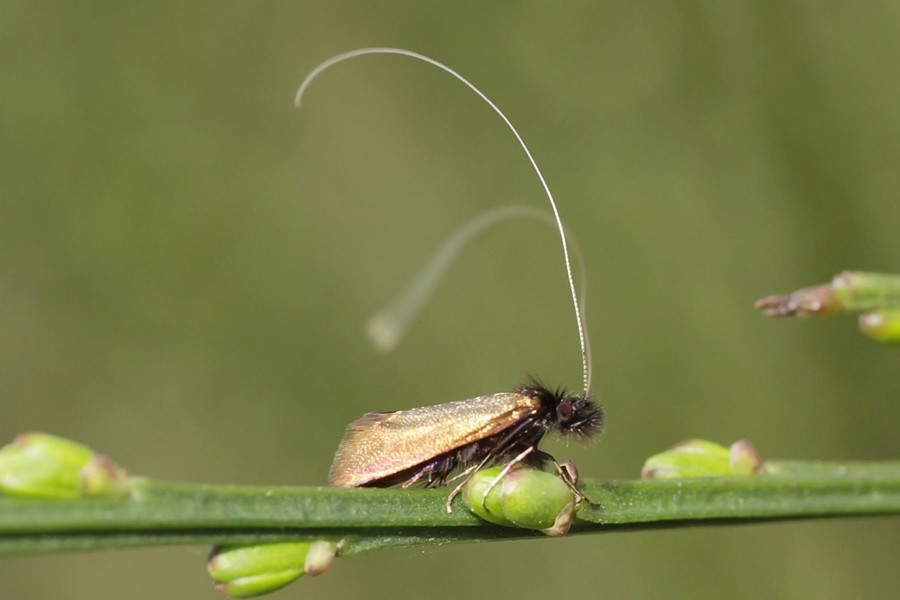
435, 444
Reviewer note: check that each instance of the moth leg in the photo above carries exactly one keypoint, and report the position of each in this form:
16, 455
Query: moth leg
568, 472
426, 470
467, 474
504, 472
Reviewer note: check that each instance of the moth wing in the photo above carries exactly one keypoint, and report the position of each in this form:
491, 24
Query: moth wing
378, 445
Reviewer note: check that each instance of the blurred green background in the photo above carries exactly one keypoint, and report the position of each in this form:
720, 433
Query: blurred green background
186, 261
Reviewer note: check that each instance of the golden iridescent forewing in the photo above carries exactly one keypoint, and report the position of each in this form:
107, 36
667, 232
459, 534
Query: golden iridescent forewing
378, 445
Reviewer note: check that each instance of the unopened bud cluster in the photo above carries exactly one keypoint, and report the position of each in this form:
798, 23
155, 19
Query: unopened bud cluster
700, 458
525, 497
39, 465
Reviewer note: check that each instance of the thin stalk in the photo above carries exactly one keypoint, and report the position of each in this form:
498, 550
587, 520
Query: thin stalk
876, 296
163, 513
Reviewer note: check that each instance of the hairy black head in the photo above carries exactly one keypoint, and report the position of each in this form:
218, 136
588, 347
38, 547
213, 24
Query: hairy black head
570, 414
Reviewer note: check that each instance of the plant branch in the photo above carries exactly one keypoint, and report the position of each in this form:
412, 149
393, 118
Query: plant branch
875, 295
162, 513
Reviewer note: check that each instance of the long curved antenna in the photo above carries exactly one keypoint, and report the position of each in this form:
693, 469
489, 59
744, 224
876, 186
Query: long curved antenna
582, 335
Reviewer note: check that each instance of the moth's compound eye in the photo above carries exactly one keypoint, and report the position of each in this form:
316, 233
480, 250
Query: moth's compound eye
564, 411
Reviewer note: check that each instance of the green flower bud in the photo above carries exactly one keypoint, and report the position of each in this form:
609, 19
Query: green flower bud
319, 558
881, 325
486, 507
245, 571
700, 458
525, 497
744, 458
38, 465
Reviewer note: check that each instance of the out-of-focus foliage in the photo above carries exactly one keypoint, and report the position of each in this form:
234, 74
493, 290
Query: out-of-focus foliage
186, 262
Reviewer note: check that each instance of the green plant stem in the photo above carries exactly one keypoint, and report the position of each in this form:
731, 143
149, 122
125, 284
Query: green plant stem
371, 519
848, 292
